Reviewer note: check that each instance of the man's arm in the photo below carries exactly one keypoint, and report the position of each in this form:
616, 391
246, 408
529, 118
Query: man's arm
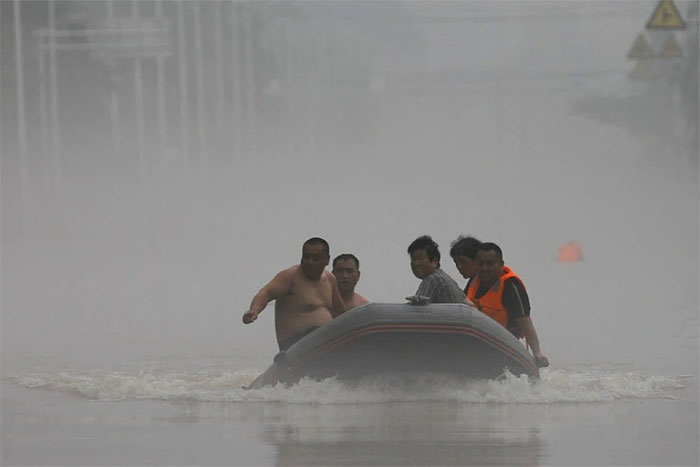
466, 299
337, 304
526, 326
276, 288
427, 288
517, 303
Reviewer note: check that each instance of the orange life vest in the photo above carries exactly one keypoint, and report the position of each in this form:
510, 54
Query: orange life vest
491, 302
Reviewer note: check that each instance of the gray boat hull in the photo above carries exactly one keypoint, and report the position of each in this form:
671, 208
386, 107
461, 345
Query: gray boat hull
382, 338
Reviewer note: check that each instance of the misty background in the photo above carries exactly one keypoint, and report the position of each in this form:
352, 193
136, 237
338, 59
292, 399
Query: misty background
154, 178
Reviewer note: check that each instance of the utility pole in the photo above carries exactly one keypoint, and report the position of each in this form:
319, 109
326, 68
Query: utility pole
43, 116
692, 80
138, 96
219, 57
184, 104
113, 96
250, 79
53, 92
160, 70
237, 78
21, 118
199, 86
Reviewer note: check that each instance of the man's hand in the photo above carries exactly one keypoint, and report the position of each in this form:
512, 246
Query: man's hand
418, 300
249, 316
541, 360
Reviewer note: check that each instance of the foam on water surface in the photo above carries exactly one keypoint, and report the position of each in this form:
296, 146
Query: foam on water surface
222, 385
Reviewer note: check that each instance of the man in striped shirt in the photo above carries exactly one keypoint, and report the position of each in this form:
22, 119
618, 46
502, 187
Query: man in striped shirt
436, 285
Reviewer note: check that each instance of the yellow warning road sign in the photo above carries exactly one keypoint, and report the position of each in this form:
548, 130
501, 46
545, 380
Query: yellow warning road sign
666, 16
671, 49
640, 49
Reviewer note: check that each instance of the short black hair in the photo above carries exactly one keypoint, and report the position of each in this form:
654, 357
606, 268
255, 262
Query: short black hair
426, 243
346, 257
318, 241
490, 246
465, 246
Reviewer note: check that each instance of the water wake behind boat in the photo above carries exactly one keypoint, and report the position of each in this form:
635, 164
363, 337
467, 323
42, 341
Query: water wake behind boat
573, 385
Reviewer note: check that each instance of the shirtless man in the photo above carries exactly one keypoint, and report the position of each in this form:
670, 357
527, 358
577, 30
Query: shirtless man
306, 295
346, 269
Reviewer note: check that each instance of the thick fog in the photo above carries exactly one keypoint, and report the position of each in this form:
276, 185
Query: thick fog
367, 124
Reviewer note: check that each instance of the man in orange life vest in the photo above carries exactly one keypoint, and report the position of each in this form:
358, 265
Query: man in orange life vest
500, 294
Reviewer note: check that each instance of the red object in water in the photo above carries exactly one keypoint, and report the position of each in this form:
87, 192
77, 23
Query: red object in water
571, 252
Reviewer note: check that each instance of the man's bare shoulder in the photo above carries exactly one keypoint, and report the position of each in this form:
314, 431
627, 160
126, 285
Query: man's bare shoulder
356, 300
330, 277
360, 300
288, 274
291, 269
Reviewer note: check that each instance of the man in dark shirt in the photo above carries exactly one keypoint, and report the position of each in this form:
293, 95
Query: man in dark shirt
436, 285
501, 294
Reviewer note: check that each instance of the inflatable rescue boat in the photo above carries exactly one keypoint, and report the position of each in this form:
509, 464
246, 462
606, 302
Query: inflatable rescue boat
381, 338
